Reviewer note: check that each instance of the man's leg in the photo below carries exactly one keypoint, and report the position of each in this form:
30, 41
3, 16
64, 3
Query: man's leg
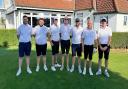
38, 53
106, 64
90, 59
73, 57
57, 55
67, 61
21, 55
73, 63
100, 54
67, 54
79, 53
63, 54
79, 64
44, 61
20, 65
28, 64
90, 67
53, 64
62, 62
85, 58
38, 63
106, 56
85, 64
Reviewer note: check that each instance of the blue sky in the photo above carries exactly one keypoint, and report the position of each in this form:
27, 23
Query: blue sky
1, 3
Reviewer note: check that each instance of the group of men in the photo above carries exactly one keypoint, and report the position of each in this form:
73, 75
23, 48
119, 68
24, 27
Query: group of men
80, 39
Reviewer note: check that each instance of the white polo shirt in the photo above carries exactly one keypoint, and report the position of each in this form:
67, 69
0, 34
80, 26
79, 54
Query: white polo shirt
55, 33
89, 36
104, 34
76, 35
24, 32
65, 31
40, 34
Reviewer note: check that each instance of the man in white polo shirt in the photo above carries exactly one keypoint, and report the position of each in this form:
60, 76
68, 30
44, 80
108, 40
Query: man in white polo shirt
54, 40
24, 36
88, 40
41, 32
104, 41
76, 44
65, 33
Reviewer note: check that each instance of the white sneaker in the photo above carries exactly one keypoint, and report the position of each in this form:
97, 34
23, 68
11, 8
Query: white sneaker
53, 68
72, 69
98, 72
57, 65
84, 71
106, 74
79, 69
18, 72
90, 72
62, 67
45, 68
29, 70
37, 68
68, 68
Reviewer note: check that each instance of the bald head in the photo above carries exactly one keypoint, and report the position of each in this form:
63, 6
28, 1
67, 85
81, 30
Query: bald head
89, 24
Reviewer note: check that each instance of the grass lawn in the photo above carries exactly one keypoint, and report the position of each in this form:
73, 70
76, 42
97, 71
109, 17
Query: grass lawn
118, 68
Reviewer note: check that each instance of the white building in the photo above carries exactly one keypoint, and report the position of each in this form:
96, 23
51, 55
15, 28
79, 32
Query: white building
116, 12
2, 17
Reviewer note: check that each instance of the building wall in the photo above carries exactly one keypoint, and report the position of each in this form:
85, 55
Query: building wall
10, 21
112, 21
122, 23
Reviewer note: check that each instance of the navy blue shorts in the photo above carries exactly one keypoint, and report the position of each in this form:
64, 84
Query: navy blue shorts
24, 49
55, 47
41, 49
88, 51
65, 46
77, 48
106, 53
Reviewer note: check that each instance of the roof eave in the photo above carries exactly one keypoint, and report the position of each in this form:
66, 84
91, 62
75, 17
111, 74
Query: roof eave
44, 9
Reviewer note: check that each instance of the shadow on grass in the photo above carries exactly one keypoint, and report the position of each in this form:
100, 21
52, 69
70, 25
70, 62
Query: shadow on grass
52, 80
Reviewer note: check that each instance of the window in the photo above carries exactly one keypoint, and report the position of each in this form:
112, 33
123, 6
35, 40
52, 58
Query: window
26, 13
35, 14
29, 20
125, 20
47, 22
80, 15
54, 14
63, 15
34, 21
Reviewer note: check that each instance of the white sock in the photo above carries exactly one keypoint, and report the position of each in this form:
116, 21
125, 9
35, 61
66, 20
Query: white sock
79, 66
84, 68
28, 67
44, 65
90, 69
37, 64
106, 70
72, 66
99, 69
19, 68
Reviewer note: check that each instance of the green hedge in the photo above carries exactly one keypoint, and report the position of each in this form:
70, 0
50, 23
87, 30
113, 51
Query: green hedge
120, 40
8, 38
